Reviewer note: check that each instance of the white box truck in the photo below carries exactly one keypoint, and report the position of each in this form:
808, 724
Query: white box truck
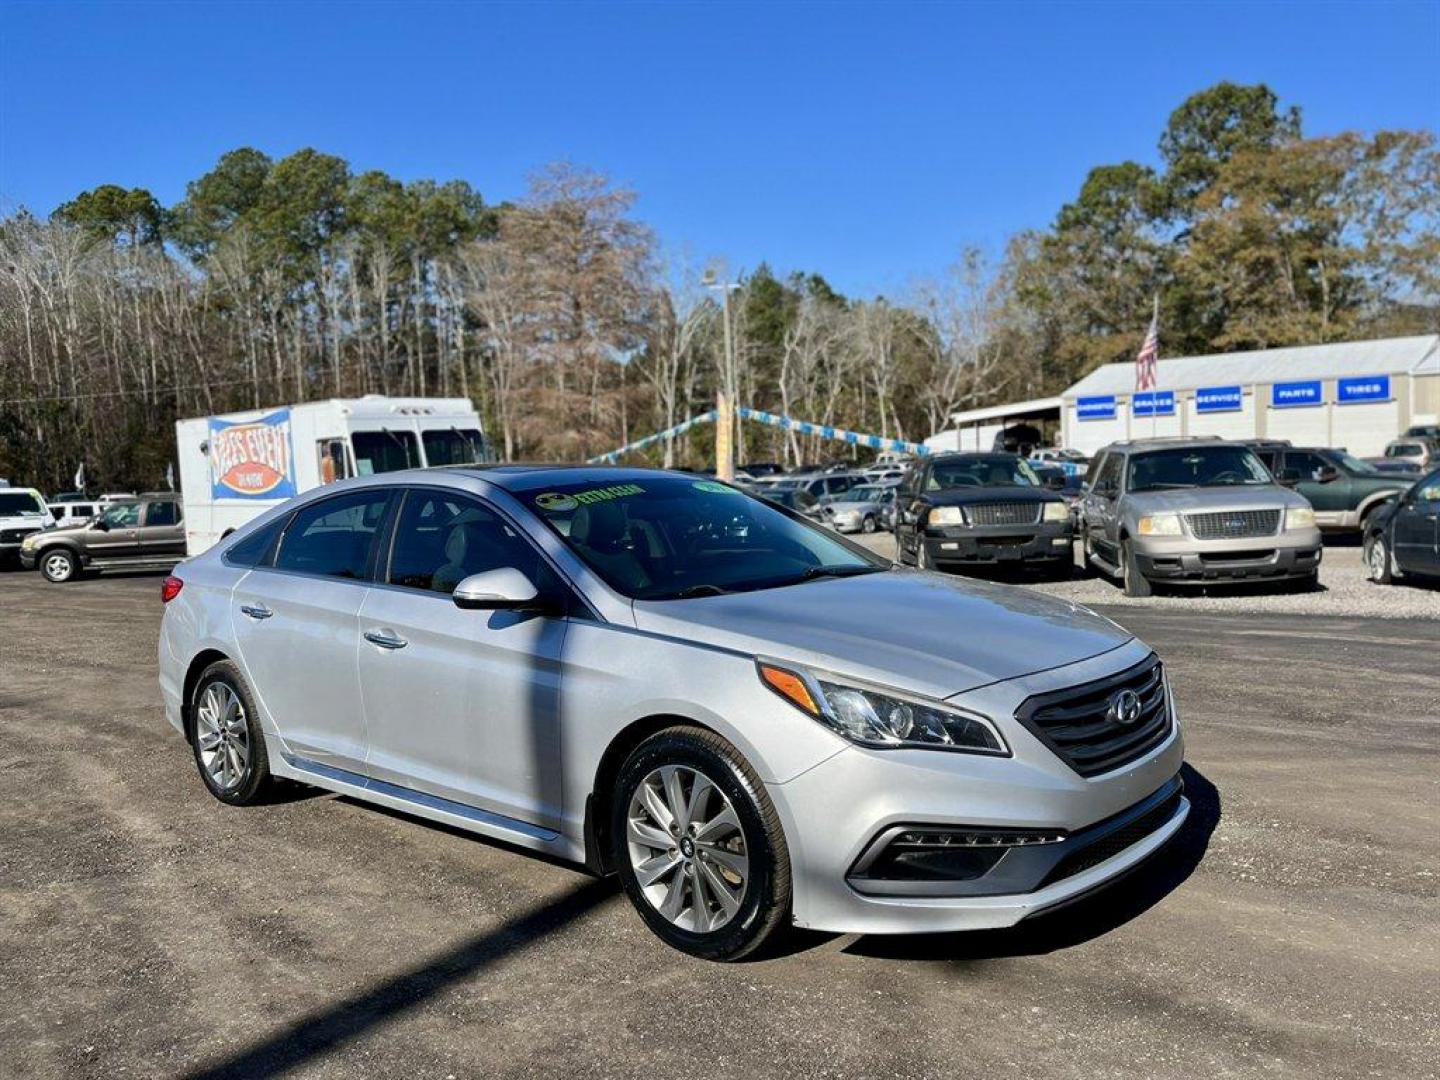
236, 466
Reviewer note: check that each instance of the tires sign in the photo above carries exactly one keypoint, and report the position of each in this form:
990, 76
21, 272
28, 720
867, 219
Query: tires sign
1365, 388
252, 459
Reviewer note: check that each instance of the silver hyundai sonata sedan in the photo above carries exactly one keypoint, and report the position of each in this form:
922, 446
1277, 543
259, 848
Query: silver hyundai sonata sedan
749, 719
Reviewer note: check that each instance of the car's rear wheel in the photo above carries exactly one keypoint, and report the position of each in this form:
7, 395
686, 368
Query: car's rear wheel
59, 565
698, 845
1379, 567
226, 738
1136, 583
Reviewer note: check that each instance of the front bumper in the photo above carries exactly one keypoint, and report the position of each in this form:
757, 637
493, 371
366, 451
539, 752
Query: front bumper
836, 813
1050, 541
1182, 559
28, 559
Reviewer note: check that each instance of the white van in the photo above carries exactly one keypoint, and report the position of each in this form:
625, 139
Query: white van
236, 466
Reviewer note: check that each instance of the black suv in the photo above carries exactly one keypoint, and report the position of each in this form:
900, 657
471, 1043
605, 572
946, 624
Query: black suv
979, 509
1402, 538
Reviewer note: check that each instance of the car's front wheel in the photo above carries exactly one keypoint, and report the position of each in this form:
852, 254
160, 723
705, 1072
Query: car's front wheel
1135, 581
698, 845
59, 565
1379, 567
868, 524
226, 738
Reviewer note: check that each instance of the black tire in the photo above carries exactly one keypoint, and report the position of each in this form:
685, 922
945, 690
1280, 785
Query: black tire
254, 783
1136, 583
922, 555
868, 524
1379, 563
765, 905
59, 565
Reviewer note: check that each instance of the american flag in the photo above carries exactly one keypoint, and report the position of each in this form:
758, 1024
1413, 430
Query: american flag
1149, 354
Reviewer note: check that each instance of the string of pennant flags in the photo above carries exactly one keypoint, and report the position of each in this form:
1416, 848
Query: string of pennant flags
788, 423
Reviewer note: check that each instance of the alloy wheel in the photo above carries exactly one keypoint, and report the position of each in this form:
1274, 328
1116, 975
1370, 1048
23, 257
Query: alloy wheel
222, 737
57, 567
1379, 559
687, 848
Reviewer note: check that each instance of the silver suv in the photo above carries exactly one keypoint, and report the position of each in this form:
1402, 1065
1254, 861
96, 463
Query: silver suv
1194, 511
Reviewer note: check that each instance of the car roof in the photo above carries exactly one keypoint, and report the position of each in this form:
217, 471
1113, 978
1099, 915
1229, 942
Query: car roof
1174, 442
530, 477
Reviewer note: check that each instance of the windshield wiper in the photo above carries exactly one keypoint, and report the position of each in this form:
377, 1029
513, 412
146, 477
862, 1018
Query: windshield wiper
813, 572
697, 590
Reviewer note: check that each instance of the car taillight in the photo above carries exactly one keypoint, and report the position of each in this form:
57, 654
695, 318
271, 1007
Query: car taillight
170, 588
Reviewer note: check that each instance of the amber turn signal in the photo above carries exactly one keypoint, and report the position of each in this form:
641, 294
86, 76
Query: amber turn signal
789, 686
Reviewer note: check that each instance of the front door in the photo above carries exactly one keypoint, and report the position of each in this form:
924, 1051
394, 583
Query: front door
1331, 498
297, 627
1416, 530
462, 704
115, 534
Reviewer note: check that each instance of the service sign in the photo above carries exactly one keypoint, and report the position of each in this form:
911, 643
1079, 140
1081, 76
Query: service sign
1219, 399
1095, 408
1292, 395
252, 459
1153, 403
1365, 388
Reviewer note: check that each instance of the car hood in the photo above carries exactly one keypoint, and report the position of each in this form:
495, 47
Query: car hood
20, 521
909, 629
963, 496
1189, 500
849, 506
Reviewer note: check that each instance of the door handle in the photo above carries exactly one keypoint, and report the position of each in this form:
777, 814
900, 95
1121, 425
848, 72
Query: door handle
385, 639
256, 611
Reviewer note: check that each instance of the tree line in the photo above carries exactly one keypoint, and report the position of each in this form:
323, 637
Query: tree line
565, 321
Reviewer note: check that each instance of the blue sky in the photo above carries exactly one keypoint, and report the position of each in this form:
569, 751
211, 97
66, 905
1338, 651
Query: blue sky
868, 142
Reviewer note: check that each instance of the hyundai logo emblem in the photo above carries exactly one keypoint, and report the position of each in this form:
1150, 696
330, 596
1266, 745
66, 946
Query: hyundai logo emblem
1124, 708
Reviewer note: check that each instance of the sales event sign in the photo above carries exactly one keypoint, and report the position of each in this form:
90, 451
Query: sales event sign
1365, 388
1153, 403
1095, 408
252, 459
1219, 399
1291, 395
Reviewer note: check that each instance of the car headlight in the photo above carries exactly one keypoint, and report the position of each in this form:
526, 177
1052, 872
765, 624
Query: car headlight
882, 719
30, 542
1299, 517
946, 515
1159, 525
1057, 511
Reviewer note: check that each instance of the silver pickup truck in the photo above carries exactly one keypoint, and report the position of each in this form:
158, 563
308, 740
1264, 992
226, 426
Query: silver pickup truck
1194, 511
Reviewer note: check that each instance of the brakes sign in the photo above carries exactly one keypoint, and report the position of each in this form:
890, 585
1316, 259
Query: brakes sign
252, 459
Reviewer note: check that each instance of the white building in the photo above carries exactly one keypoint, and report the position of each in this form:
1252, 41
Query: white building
1358, 395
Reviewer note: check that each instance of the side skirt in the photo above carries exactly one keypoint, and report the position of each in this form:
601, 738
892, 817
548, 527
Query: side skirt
424, 805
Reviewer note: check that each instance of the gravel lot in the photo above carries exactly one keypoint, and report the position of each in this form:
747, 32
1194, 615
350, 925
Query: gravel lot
1344, 590
146, 930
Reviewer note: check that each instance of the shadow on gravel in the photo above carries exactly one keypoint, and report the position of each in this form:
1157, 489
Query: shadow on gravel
1079, 922
349, 1019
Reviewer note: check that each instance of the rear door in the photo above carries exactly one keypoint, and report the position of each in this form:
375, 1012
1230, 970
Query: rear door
162, 534
296, 622
461, 704
1330, 499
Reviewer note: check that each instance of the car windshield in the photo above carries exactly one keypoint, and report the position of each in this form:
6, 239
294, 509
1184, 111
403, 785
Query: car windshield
991, 471
1350, 463
1196, 466
454, 446
864, 493
19, 502
669, 537
384, 451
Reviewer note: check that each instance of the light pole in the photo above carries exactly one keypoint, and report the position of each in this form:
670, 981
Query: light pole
725, 396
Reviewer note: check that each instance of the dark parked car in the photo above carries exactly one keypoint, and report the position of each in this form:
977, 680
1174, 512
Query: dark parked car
978, 509
1343, 489
1402, 537
147, 532
793, 498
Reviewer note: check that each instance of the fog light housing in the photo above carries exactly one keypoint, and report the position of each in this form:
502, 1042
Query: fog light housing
927, 853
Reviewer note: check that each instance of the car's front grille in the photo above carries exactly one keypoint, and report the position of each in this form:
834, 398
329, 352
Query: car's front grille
1003, 513
14, 536
1234, 524
1097, 726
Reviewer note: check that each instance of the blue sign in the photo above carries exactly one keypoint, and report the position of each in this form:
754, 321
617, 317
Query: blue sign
1153, 403
1365, 388
1219, 399
1293, 395
1095, 408
252, 459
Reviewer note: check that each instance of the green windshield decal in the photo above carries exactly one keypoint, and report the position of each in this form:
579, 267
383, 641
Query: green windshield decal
558, 501
715, 487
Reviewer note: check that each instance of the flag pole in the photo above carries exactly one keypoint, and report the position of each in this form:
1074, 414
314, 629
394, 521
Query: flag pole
1155, 389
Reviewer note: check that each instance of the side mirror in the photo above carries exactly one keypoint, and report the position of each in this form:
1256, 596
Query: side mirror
1288, 477
1328, 475
101, 524
505, 589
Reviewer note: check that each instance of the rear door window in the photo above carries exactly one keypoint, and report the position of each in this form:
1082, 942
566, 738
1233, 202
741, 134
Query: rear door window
162, 513
334, 537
